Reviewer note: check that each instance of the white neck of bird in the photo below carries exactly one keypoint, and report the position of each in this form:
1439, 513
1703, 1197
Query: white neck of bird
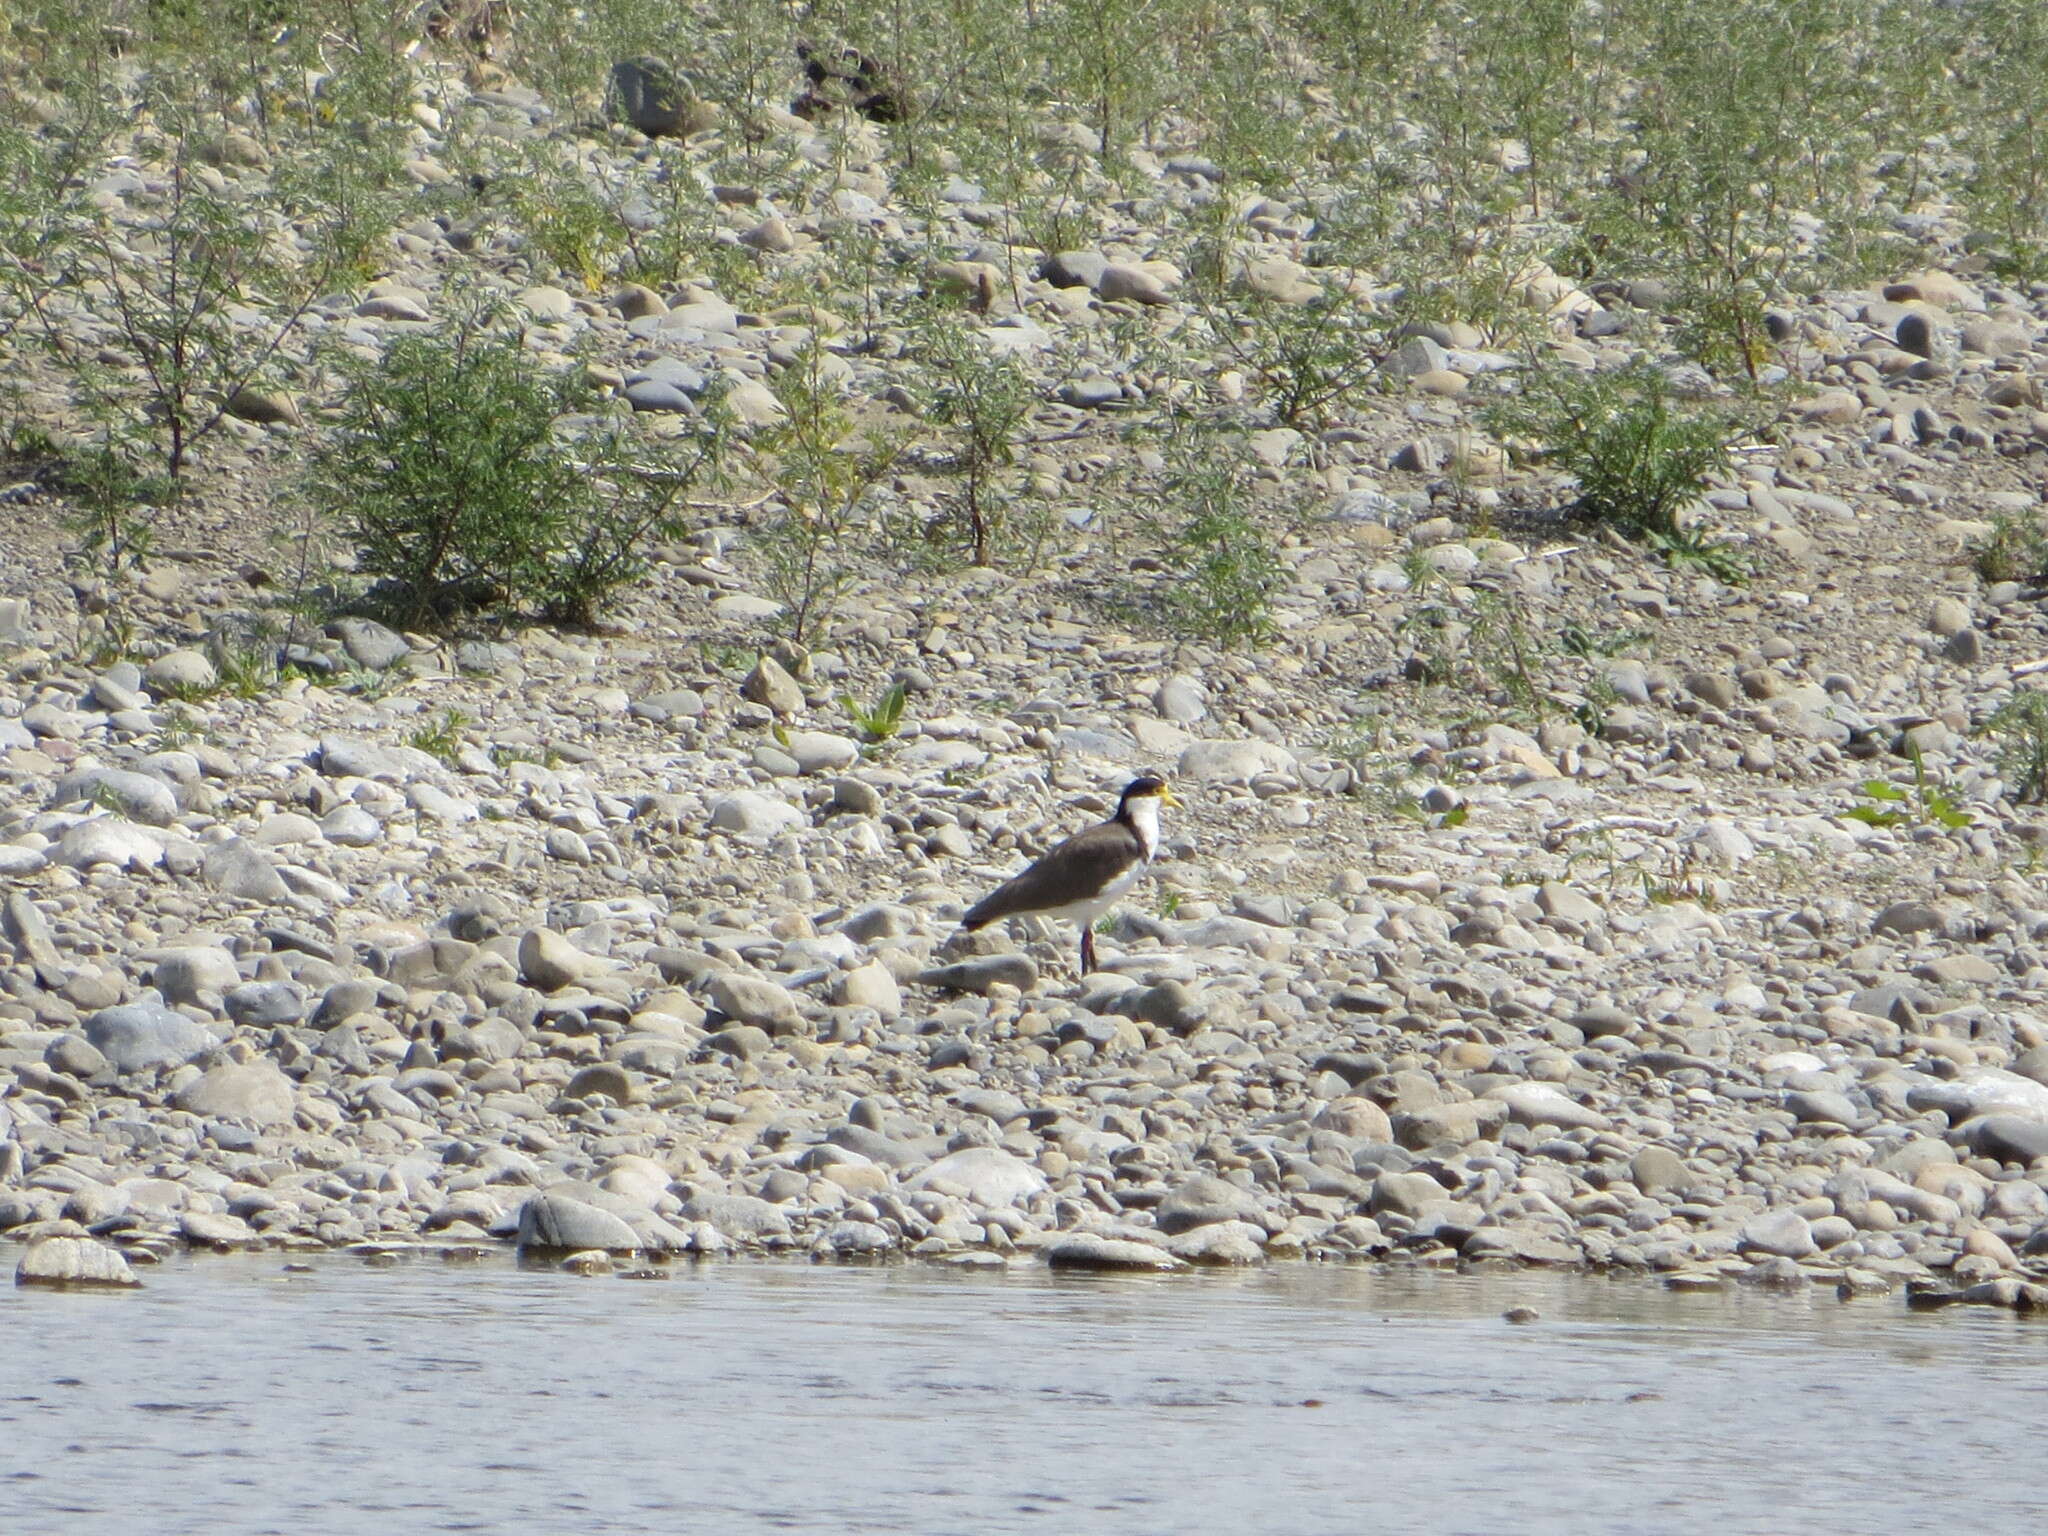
1145, 817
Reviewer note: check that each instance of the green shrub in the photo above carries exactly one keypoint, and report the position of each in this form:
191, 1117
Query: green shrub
1639, 455
458, 488
114, 504
984, 399
1308, 360
2020, 728
826, 472
2016, 549
1225, 565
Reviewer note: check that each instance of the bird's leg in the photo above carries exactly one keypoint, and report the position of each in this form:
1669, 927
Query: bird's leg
1087, 948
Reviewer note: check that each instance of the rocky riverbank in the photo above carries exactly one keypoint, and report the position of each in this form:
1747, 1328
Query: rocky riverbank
1532, 903
676, 982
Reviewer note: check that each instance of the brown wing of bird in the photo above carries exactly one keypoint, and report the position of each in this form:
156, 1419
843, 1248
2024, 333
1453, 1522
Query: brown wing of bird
1074, 871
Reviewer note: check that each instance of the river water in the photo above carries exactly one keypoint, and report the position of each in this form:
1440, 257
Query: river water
233, 1396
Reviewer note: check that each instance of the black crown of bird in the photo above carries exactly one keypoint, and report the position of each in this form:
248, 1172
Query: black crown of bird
1083, 877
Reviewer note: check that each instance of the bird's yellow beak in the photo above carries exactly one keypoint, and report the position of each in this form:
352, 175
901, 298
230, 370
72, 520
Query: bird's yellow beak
1169, 799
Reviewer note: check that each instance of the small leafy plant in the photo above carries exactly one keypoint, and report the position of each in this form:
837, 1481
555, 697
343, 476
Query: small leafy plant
882, 719
1309, 359
984, 399
1225, 566
441, 738
115, 502
1887, 805
1640, 456
2016, 549
826, 473
454, 476
2020, 727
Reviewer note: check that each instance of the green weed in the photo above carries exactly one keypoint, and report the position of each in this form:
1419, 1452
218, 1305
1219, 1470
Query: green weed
442, 737
2019, 726
1639, 456
2016, 549
1887, 805
880, 720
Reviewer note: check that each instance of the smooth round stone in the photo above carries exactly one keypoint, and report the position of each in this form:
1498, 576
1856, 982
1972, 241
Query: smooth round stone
1204, 1199
604, 1077
16, 860
239, 868
348, 757
754, 1000
658, 395
181, 670
1658, 1169
1233, 762
563, 844
140, 797
560, 1223
1823, 1106
1091, 393
1086, 1250
869, 986
677, 703
141, 1035
187, 975
551, 961
748, 813
350, 826
254, 1092
981, 974
77, 1056
393, 306
265, 1004
985, 1177
1535, 1104
1948, 616
284, 829
434, 803
856, 797
118, 692
742, 1218
1182, 699
1781, 1233
822, 752
1237, 1243
74, 1261
370, 645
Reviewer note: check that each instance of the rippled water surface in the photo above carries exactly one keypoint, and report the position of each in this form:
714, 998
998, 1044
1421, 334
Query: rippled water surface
231, 1396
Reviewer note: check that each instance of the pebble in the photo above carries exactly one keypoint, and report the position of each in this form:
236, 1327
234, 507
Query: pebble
76, 1261
1086, 1250
252, 1092
145, 1034
557, 1223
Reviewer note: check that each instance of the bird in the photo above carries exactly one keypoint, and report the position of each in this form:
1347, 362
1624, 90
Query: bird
1082, 878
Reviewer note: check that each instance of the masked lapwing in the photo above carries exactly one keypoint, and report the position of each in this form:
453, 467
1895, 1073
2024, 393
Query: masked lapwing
1082, 878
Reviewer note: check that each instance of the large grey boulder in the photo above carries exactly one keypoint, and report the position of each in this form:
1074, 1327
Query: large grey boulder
1205, 1200
648, 95
142, 1035
987, 1177
1086, 1250
559, 1223
138, 796
239, 868
187, 975
743, 1218
755, 1000
251, 1091
73, 1261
